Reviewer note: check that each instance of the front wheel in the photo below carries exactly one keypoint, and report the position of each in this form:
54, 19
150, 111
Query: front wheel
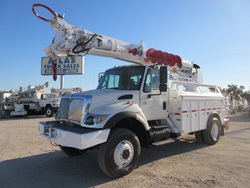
120, 154
211, 135
49, 111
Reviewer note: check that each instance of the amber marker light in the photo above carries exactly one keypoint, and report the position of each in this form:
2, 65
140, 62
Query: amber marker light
175, 70
129, 102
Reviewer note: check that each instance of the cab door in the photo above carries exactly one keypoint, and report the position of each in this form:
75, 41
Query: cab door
153, 103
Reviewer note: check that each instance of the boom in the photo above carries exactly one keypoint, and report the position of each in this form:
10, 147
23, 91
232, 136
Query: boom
71, 40
36, 88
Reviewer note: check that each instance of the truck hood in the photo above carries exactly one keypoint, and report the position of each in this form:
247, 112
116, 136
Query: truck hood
106, 95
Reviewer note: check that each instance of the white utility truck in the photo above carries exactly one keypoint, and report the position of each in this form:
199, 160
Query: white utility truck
35, 100
31, 101
160, 96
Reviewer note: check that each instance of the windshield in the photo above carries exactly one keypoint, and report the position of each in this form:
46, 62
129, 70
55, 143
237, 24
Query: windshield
124, 78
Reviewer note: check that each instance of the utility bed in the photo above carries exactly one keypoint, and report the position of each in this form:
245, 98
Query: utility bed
192, 103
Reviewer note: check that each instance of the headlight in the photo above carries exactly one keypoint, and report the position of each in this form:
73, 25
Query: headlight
95, 119
90, 120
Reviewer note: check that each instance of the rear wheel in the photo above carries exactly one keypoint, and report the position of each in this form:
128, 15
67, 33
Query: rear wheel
72, 151
120, 154
212, 134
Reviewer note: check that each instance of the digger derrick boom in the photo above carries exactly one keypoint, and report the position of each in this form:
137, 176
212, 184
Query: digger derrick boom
72, 40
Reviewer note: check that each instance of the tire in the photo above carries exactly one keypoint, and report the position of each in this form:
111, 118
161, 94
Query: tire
120, 154
72, 151
199, 136
49, 111
212, 134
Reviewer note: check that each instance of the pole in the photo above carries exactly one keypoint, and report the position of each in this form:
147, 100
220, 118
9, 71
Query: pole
62, 82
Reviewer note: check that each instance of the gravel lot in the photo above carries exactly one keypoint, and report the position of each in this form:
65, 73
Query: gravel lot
29, 160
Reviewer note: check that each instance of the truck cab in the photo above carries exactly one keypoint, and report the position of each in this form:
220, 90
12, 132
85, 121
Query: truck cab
140, 85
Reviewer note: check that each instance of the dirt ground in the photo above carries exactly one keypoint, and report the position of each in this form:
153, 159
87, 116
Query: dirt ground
29, 160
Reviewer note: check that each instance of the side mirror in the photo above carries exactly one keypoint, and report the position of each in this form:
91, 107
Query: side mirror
163, 79
163, 75
100, 76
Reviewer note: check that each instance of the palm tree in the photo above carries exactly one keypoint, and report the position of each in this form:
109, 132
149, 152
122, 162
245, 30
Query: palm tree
233, 89
240, 90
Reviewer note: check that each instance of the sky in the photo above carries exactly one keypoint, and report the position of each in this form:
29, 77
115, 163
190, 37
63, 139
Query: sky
215, 34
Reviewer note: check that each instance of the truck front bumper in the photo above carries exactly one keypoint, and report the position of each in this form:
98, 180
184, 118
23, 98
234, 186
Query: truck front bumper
72, 136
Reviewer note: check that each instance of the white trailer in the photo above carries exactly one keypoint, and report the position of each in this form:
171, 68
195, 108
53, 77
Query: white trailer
10, 105
160, 97
3, 96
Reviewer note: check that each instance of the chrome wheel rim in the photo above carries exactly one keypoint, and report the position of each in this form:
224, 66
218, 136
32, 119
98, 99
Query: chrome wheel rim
123, 154
48, 112
215, 131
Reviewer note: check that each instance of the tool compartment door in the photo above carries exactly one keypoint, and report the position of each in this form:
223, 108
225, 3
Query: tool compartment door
193, 114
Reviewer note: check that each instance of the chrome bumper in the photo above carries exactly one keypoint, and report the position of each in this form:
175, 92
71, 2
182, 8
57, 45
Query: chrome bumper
69, 136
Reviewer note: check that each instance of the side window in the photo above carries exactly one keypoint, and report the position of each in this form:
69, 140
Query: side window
110, 81
147, 83
44, 96
134, 82
152, 81
113, 81
155, 79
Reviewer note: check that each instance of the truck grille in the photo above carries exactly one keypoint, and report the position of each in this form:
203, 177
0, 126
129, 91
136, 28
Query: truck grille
71, 109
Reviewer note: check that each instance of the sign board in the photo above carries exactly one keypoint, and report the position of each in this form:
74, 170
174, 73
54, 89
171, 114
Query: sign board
65, 66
